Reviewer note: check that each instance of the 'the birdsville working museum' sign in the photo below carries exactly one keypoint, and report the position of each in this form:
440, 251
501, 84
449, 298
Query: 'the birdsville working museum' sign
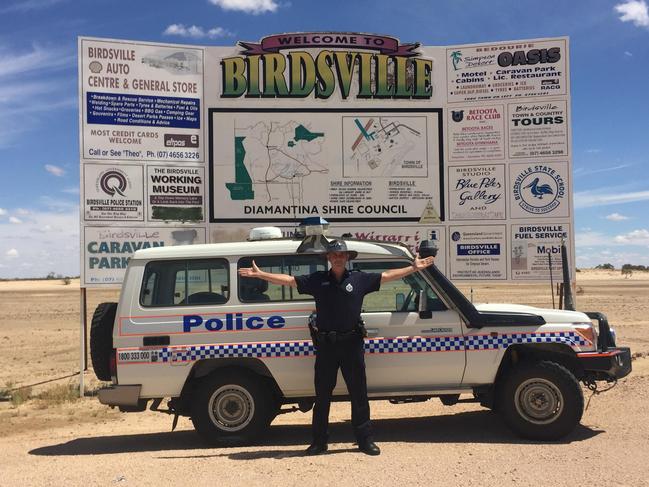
386, 140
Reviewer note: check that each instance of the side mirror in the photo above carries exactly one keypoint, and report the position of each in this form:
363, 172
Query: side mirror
424, 312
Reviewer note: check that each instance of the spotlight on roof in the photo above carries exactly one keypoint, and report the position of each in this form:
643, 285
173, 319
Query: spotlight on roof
313, 229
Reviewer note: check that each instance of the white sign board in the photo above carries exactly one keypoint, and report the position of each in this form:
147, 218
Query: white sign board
388, 141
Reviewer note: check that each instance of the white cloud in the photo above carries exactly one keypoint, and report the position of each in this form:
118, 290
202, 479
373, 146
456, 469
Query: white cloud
593, 151
38, 59
591, 238
590, 258
55, 170
22, 211
29, 5
248, 6
628, 54
583, 171
597, 197
636, 237
635, 11
197, 32
616, 217
71, 190
11, 253
48, 241
3, 212
14, 220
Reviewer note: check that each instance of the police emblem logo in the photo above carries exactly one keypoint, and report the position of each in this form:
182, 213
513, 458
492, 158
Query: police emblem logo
349, 288
458, 115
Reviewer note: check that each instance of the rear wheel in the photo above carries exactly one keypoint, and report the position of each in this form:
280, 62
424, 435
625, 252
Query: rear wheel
232, 407
541, 401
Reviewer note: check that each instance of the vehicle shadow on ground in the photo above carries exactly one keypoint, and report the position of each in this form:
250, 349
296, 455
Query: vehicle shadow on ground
465, 427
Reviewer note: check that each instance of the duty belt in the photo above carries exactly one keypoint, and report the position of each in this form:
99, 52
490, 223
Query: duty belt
332, 337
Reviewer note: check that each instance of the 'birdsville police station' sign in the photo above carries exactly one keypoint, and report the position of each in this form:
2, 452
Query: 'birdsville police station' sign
390, 141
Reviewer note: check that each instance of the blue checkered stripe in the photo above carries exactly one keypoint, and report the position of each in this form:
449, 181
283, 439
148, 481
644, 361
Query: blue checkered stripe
486, 342
414, 344
304, 348
301, 348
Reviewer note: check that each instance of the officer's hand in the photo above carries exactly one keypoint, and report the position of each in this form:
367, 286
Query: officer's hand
250, 271
420, 263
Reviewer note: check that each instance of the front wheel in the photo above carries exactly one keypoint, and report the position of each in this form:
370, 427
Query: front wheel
541, 401
231, 408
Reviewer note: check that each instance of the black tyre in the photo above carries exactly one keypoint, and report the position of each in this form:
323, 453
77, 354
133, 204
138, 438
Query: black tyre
232, 407
541, 401
101, 339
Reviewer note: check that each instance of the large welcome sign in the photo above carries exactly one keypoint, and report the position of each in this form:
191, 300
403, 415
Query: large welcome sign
387, 140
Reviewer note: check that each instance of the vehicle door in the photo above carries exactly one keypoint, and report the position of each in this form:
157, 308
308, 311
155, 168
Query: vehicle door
405, 352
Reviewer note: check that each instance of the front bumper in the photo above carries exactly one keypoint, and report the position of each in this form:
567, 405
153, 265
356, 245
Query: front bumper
613, 363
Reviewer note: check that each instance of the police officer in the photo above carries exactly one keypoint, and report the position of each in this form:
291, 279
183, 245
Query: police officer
339, 297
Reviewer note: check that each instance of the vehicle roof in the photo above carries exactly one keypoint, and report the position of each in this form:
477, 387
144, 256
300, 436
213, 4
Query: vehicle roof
278, 246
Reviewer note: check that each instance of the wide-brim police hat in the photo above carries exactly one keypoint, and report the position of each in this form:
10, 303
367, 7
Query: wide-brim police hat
338, 245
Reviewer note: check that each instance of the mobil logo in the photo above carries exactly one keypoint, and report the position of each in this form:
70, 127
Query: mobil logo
231, 322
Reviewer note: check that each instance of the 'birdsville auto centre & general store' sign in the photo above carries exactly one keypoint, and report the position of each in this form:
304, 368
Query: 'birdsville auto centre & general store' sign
389, 141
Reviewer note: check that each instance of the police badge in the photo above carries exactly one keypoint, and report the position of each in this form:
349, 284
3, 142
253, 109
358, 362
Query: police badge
458, 115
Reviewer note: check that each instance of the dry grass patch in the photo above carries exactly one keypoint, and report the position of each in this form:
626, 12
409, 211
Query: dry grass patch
57, 395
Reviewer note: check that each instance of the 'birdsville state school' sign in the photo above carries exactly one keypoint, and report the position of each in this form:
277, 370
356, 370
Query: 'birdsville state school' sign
386, 140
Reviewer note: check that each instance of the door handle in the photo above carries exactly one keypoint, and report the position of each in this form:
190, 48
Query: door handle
372, 332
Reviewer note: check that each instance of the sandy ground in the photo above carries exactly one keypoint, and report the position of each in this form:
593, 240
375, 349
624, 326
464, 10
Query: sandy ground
83, 442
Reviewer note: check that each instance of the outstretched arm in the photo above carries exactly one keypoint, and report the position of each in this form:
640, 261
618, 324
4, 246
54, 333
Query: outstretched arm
417, 265
281, 279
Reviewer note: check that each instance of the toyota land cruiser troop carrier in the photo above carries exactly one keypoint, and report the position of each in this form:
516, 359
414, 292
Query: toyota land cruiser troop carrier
230, 351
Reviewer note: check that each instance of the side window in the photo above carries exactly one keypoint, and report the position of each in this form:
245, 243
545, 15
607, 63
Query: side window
254, 290
187, 282
401, 295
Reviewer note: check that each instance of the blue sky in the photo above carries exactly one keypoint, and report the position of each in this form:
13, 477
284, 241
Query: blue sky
39, 151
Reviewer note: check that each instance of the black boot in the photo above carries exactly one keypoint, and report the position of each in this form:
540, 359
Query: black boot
369, 447
316, 449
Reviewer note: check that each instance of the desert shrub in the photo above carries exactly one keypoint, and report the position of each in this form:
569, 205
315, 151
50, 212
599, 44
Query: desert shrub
58, 394
607, 267
20, 396
67, 281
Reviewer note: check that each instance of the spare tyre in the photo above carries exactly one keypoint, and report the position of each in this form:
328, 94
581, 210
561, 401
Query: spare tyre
101, 339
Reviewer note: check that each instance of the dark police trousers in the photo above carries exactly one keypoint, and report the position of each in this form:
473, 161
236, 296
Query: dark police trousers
348, 355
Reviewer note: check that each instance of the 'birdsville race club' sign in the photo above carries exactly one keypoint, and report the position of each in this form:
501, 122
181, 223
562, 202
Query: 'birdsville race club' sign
399, 142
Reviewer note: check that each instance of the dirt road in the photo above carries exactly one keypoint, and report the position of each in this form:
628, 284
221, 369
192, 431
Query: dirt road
82, 442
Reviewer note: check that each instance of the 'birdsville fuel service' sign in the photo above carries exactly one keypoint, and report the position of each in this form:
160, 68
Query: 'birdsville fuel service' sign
390, 141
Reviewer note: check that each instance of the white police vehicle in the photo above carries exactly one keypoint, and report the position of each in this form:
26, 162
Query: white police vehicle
230, 351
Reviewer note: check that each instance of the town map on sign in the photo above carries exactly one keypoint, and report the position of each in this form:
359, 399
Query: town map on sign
375, 147
272, 160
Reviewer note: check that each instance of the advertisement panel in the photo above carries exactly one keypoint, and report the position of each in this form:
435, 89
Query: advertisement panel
531, 246
478, 252
113, 192
107, 250
175, 194
477, 192
476, 133
507, 70
538, 129
539, 190
140, 102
